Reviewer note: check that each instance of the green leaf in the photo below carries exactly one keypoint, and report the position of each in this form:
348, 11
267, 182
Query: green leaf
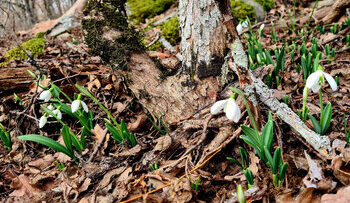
116, 135
326, 120
249, 176
283, 170
251, 134
47, 142
276, 160
280, 61
315, 123
235, 162
67, 139
244, 157
268, 57
267, 134
269, 158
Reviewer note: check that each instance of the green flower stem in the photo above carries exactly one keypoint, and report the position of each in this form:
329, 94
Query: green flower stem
321, 104
64, 94
275, 179
305, 94
240, 93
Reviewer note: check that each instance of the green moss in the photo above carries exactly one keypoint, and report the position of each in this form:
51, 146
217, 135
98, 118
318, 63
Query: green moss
105, 17
33, 46
242, 10
266, 4
170, 30
142, 9
155, 46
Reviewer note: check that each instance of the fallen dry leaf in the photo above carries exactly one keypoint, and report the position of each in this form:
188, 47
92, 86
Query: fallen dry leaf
163, 143
315, 173
21, 185
42, 162
342, 196
340, 171
138, 124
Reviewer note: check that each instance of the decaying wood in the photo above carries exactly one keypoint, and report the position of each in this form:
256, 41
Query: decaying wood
15, 78
258, 90
171, 97
337, 9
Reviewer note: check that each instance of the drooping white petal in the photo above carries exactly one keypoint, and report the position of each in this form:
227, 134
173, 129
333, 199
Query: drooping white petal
331, 81
75, 105
313, 79
262, 26
50, 107
57, 113
233, 112
218, 106
237, 113
316, 87
45, 95
241, 26
42, 121
83, 104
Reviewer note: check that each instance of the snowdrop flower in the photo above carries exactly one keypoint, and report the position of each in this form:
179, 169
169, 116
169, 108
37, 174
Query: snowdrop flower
316, 79
241, 26
50, 107
76, 105
45, 95
43, 121
57, 113
229, 106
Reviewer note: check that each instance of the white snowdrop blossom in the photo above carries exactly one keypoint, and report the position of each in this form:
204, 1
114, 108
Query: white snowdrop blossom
50, 107
76, 105
45, 95
241, 26
57, 113
42, 121
316, 79
229, 106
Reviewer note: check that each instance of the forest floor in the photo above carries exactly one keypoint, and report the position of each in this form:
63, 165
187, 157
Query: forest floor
157, 169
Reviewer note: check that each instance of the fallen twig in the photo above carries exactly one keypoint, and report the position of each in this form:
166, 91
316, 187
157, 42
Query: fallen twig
201, 140
97, 147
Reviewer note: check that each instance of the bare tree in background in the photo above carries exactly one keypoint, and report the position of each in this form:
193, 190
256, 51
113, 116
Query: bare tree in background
23, 14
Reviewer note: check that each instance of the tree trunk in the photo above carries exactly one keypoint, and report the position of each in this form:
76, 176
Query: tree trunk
207, 32
204, 37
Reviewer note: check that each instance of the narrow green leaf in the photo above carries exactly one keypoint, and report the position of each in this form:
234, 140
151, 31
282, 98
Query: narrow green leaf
249, 176
251, 134
116, 135
47, 142
269, 158
67, 139
235, 162
326, 120
244, 157
283, 170
267, 134
276, 160
315, 123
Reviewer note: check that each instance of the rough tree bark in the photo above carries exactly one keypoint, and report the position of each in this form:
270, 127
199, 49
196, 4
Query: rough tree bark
207, 32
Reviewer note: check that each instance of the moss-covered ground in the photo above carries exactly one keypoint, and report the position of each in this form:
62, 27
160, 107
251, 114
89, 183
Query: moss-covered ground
33, 47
